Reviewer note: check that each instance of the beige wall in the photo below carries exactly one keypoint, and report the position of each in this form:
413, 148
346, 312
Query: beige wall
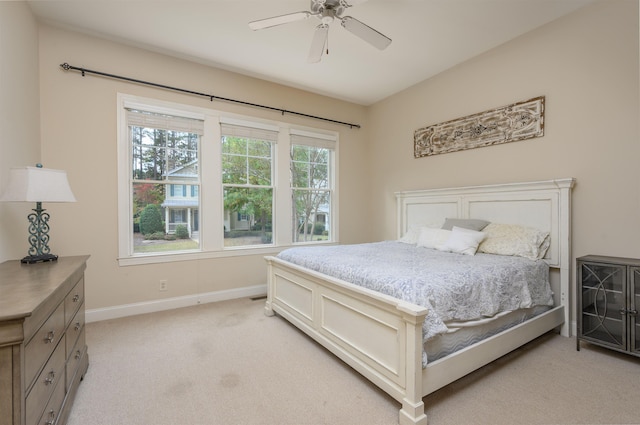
586, 64
79, 135
19, 117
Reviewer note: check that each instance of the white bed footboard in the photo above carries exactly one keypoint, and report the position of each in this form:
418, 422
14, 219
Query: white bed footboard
377, 335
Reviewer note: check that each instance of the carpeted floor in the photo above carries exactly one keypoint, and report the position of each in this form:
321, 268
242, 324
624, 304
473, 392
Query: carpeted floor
226, 363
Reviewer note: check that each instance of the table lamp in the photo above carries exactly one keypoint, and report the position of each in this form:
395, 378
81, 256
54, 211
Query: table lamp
37, 184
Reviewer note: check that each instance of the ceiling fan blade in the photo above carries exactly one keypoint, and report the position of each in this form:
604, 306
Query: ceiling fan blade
278, 20
318, 43
365, 32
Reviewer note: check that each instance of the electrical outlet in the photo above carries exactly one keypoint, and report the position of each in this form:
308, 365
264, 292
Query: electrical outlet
163, 285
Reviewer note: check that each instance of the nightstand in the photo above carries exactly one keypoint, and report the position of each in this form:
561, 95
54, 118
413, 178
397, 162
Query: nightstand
608, 302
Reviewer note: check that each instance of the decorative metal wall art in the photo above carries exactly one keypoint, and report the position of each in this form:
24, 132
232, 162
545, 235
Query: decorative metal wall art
519, 121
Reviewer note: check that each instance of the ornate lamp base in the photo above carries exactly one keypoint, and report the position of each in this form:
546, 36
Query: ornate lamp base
39, 237
31, 259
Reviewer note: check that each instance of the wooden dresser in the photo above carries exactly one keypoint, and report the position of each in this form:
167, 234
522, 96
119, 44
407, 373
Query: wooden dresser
43, 354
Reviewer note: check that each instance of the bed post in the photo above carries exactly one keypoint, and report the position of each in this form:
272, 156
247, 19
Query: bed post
565, 186
268, 310
412, 412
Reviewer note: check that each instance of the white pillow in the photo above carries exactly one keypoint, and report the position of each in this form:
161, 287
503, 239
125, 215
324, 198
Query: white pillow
412, 235
462, 241
432, 238
512, 239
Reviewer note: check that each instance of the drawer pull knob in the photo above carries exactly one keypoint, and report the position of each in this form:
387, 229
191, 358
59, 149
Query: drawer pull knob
50, 336
52, 417
633, 312
76, 297
50, 378
77, 326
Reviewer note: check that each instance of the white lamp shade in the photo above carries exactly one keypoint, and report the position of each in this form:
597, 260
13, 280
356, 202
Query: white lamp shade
34, 184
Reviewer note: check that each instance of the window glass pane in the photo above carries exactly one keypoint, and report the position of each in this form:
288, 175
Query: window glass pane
248, 195
165, 215
259, 171
234, 169
311, 215
319, 175
148, 163
248, 216
246, 161
310, 174
259, 148
161, 154
163, 222
234, 145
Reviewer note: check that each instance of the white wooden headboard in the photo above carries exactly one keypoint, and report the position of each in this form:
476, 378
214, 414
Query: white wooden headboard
544, 205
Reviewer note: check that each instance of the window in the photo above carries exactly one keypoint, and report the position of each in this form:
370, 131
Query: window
247, 180
311, 187
194, 183
164, 153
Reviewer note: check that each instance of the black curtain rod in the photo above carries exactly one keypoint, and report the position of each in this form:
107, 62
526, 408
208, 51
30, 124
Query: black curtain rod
84, 71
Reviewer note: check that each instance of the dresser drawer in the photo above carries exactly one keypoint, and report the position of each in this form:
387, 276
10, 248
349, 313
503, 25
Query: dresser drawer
74, 359
73, 331
45, 339
73, 301
54, 407
51, 377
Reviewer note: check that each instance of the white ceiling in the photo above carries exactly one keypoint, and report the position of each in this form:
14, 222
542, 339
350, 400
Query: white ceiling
429, 36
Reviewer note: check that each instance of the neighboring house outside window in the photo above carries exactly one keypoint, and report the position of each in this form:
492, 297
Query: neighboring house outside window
181, 205
169, 208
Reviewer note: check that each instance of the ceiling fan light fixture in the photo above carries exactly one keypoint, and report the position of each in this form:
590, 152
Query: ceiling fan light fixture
328, 15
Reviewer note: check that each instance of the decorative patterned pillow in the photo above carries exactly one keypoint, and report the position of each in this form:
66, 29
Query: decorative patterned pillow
462, 241
466, 223
512, 239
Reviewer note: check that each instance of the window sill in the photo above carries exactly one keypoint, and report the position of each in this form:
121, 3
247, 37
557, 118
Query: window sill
171, 257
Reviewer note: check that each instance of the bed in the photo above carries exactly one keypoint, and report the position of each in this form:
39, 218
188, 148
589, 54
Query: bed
383, 336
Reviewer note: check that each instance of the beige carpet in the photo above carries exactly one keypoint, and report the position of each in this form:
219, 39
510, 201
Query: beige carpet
226, 363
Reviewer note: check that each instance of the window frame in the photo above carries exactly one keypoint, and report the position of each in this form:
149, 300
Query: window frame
211, 187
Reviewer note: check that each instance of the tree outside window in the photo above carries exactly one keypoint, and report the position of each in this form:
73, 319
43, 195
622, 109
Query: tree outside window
248, 191
311, 193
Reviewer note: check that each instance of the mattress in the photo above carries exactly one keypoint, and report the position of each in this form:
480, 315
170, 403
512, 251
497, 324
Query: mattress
462, 335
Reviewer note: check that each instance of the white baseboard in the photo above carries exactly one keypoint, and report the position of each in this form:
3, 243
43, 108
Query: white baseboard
98, 314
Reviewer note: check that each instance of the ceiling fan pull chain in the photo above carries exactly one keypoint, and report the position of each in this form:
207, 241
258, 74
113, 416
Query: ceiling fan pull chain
327, 45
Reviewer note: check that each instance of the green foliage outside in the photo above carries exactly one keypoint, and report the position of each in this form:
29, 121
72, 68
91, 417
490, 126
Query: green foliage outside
310, 182
151, 220
182, 232
246, 174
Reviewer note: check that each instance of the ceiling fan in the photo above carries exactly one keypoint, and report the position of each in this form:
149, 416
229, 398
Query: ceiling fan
327, 11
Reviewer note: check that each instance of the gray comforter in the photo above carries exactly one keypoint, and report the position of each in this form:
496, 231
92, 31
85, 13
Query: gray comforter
452, 286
